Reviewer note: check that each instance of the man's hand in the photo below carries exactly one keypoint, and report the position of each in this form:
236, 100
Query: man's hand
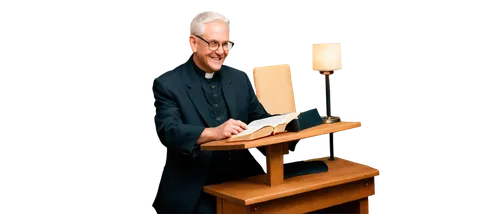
225, 130
230, 127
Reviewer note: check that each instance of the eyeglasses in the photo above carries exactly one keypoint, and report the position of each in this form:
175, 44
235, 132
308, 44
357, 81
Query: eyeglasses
214, 45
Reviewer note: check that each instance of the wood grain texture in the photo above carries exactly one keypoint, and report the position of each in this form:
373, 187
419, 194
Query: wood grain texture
274, 161
346, 198
319, 199
280, 138
252, 190
231, 208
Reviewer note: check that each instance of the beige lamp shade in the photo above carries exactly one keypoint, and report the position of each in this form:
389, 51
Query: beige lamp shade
326, 57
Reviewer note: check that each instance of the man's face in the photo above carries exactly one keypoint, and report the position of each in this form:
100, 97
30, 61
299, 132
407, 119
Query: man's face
206, 59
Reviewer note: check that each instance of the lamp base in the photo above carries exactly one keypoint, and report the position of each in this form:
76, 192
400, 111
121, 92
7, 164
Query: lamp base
330, 119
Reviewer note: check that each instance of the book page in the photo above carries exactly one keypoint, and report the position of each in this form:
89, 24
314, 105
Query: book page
289, 117
270, 121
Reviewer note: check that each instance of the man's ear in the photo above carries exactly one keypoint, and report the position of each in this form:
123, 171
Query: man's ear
192, 42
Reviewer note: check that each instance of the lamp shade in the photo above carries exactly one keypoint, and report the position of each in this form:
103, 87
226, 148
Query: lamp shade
326, 57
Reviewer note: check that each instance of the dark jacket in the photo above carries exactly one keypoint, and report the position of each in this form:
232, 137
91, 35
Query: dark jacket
181, 116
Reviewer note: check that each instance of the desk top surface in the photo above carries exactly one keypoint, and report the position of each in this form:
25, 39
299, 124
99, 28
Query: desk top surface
280, 138
253, 190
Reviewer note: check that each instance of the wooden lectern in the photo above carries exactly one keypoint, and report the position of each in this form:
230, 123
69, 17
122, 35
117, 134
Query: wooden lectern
344, 188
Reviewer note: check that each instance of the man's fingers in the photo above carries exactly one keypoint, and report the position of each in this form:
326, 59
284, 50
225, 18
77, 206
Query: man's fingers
227, 131
227, 134
241, 124
234, 131
238, 123
239, 129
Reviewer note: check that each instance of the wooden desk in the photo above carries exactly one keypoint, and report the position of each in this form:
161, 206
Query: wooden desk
344, 182
280, 138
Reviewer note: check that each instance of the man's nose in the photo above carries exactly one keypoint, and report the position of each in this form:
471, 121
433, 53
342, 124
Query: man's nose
219, 50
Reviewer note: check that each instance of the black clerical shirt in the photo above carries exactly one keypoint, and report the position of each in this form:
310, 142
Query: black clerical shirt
224, 165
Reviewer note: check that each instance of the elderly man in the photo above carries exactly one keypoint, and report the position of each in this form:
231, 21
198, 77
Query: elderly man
200, 101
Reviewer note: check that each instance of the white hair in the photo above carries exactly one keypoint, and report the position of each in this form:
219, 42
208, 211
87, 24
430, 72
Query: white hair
197, 25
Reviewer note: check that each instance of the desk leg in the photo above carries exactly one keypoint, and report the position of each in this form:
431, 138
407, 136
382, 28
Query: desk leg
274, 159
363, 206
219, 205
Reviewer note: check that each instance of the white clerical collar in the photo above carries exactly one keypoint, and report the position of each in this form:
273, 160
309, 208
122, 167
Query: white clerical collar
209, 75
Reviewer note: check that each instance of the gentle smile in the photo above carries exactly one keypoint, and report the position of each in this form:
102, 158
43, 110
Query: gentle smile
216, 58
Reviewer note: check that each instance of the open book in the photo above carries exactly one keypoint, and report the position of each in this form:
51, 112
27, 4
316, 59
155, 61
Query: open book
265, 127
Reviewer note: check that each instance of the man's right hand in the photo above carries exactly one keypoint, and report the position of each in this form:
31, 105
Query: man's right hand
229, 128
225, 130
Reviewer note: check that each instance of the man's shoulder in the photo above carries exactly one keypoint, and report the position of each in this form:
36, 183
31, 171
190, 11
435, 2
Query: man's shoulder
234, 73
170, 76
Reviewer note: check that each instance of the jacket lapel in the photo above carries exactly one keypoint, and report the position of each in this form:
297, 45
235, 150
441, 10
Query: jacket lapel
196, 95
228, 91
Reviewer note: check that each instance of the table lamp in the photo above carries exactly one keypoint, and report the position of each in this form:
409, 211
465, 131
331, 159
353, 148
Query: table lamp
326, 59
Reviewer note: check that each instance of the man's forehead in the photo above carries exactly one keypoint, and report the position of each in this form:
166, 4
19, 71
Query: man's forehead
216, 37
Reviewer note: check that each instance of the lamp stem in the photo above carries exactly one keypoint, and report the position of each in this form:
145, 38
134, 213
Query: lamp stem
328, 97
332, 94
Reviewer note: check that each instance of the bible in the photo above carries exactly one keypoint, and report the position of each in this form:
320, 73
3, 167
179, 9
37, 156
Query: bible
265, 127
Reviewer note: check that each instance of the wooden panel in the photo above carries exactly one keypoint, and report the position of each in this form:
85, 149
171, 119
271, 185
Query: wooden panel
280, 138
231, 208
353, 207
318, 199
252, 190
274, 161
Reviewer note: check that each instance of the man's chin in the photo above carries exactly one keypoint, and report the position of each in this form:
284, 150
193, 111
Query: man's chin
215, 67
